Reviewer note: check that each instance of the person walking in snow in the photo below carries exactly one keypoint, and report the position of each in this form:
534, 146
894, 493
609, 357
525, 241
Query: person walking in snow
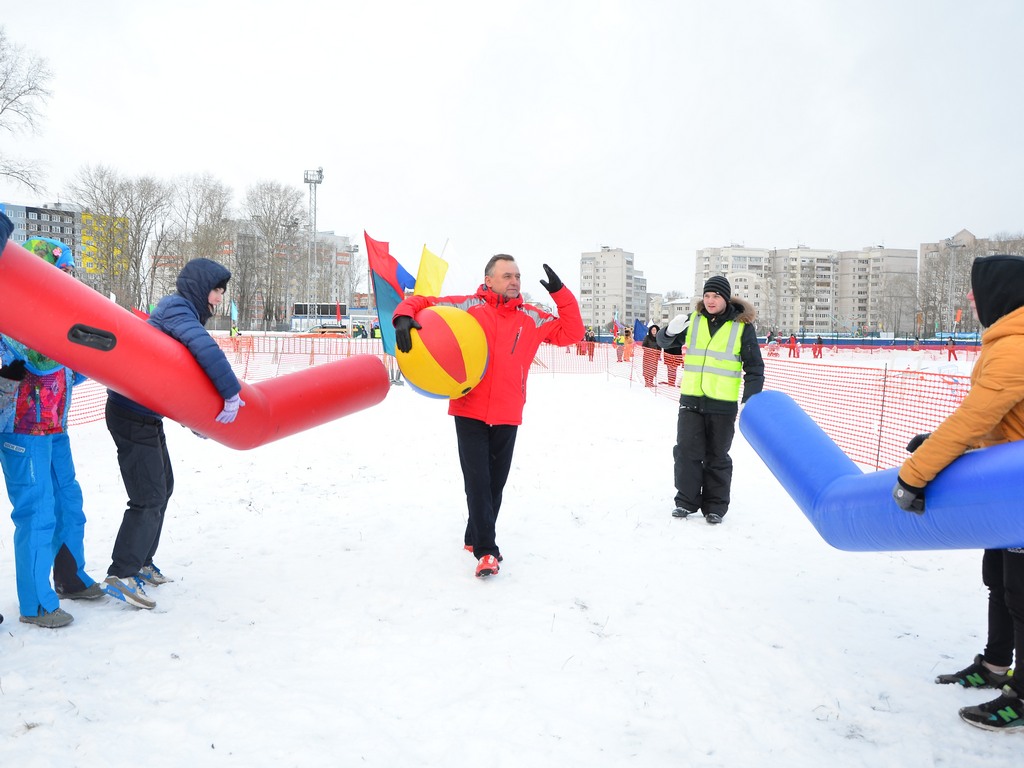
652, 354
627, 345
487, 419
991, 413
721, 346
673, 359
35, 451
951, 350
138, 432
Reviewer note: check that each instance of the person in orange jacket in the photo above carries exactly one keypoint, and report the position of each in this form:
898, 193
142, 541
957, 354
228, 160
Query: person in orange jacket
991, 413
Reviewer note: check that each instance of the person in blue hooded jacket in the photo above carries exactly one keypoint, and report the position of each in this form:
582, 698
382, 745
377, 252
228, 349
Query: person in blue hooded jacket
138, 431
35, 451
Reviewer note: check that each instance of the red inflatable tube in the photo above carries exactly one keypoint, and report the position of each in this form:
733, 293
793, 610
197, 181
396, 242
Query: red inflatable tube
55, 314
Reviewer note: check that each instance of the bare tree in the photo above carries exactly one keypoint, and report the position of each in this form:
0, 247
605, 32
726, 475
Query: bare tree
351, 275
118, 219
23, 90
199, 224
147, 201
272, 208
1006, 242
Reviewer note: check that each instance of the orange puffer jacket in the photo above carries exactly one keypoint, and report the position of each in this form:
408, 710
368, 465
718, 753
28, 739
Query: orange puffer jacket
992, 412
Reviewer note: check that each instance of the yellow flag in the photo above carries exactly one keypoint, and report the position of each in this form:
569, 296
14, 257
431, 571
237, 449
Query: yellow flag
431, 274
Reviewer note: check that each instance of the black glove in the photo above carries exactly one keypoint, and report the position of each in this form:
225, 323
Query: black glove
553, 283
907, 497
403, 338
916, 440
15, 371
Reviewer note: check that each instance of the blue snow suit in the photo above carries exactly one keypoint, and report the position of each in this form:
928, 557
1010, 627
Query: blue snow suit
49, 522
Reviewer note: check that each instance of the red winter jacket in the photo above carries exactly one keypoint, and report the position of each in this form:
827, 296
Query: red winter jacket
514, 331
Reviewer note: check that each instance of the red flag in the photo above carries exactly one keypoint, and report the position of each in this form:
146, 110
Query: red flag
337, 311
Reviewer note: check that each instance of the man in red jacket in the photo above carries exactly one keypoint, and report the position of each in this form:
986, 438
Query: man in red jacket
487, 419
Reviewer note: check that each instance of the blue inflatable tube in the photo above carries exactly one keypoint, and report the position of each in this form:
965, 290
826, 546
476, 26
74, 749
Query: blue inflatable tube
973, 504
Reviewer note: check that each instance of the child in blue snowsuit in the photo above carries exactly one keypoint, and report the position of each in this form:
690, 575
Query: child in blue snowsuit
35, 451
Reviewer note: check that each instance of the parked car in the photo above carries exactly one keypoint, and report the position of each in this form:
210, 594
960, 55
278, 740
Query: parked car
334, 330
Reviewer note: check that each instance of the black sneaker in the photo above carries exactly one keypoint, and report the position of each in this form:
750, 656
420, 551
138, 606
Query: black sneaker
975, 676
682, 512
1003, 714
713, 518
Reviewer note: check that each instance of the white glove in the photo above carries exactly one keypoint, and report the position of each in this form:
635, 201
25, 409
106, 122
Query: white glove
679, 324
231, 406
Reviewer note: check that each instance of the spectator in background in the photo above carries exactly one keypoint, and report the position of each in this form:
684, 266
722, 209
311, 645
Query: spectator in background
951, 349
816, 350
673, 359
652, 354
620, 346
720, 344
627, 345
138, 432
794, 346
991, 413
49, 521
590, 340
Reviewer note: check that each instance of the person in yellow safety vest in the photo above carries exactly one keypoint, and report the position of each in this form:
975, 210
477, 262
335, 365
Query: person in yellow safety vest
721, 349
620, 347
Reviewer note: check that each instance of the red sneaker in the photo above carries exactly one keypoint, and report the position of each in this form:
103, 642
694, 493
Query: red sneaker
487, 566
469, 548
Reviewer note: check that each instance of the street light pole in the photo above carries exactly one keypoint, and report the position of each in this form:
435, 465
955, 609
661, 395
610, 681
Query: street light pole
952, 245
313, 179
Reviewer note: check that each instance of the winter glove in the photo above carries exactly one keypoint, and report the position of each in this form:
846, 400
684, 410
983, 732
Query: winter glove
553, 283
15, 371
677, 325
916, 440
230, 412
403, 338
908, 498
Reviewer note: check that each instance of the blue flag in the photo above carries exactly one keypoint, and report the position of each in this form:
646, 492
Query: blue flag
639, 330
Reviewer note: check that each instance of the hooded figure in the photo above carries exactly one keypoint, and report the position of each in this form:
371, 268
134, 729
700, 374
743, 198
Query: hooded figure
991, 413
138, 431
53, 251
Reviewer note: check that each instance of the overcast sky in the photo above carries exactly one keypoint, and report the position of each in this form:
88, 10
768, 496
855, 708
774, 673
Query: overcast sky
546, 129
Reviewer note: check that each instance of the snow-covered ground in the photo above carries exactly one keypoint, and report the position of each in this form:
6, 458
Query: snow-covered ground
325, 614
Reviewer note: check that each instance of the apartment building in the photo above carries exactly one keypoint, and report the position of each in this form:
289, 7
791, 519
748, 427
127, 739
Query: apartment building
610, 287
812, 291
60, 221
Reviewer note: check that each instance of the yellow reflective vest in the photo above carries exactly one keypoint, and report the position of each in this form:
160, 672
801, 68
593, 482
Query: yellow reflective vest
713, 367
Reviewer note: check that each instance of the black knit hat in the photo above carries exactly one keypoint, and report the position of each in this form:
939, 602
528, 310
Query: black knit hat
719, 285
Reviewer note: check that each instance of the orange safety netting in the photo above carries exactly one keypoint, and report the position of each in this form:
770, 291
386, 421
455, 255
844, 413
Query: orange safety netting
867, 406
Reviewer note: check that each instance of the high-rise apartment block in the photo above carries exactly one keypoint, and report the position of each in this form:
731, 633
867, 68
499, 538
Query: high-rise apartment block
611, 288
819, 291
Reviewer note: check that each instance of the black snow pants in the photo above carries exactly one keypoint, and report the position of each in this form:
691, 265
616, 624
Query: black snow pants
703, 467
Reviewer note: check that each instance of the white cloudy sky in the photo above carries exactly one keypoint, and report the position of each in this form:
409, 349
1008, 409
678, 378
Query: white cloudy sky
549, 128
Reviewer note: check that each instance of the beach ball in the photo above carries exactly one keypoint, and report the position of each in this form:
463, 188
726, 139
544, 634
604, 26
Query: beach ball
449, 353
